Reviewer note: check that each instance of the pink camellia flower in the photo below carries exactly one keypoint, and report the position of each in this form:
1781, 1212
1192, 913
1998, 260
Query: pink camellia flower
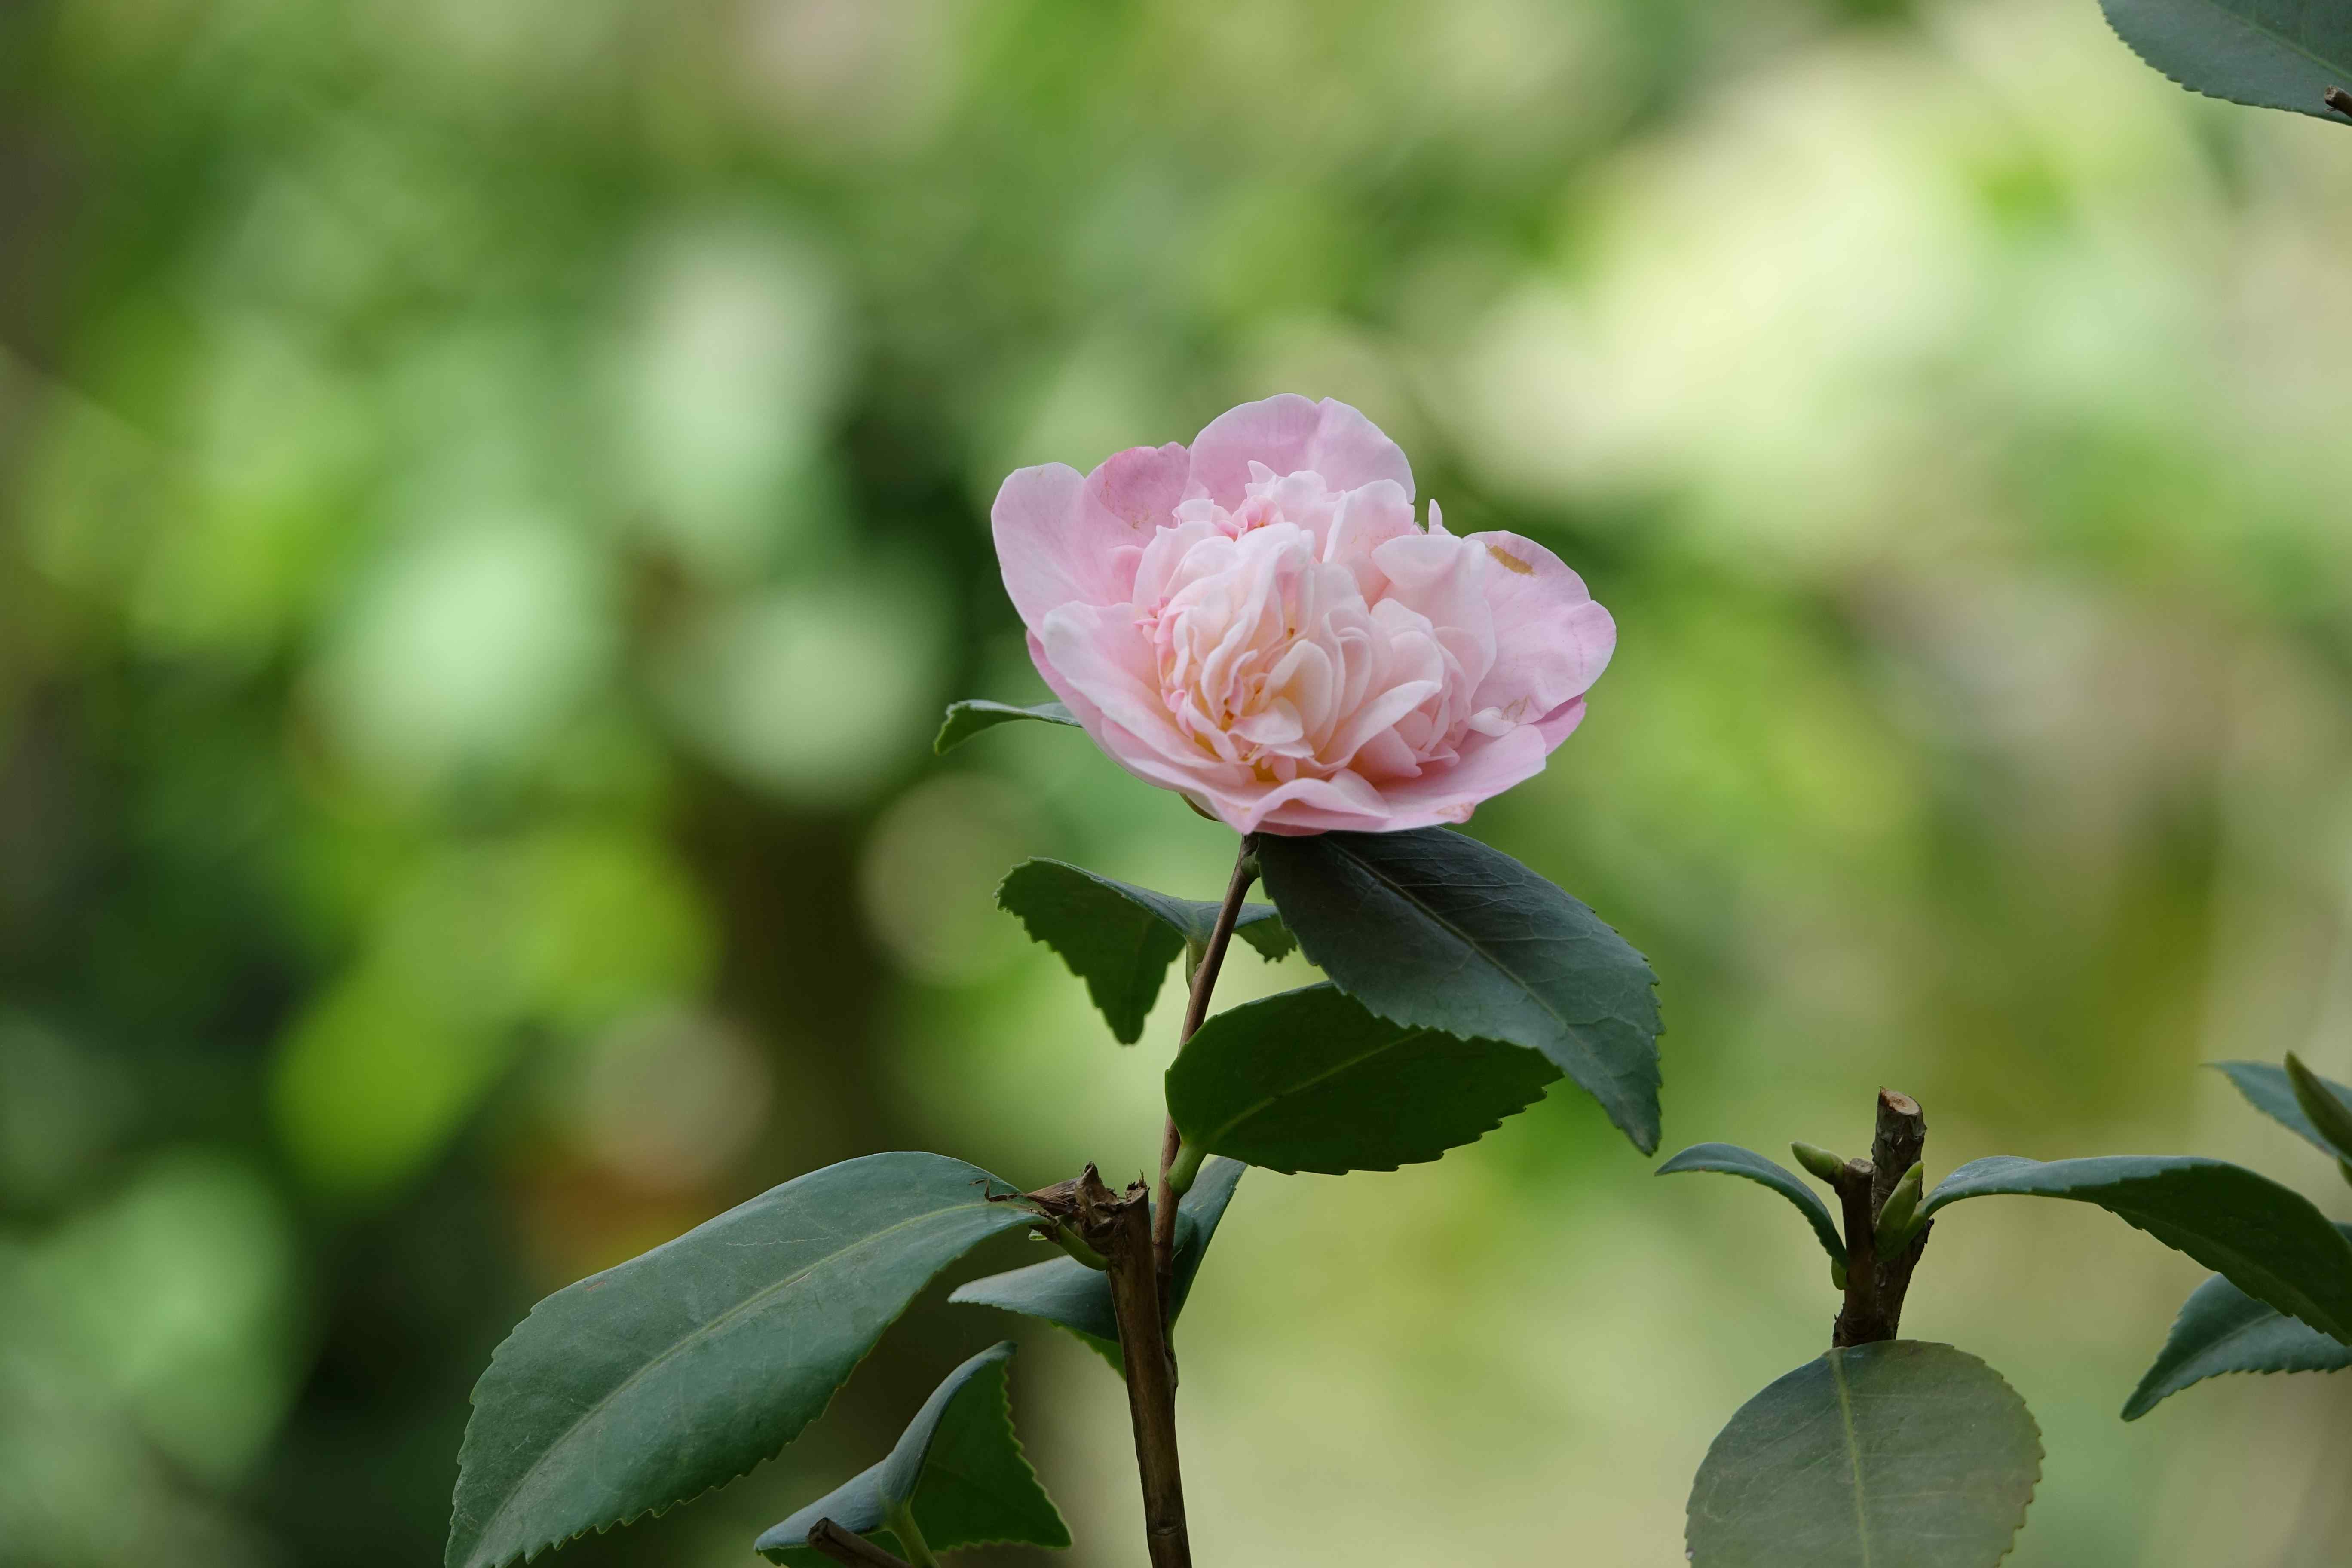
1259, 623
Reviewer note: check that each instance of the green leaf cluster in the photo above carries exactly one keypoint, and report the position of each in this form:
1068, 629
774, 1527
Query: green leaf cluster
1067, 1293
680, 1369
1120, 939
956, 1478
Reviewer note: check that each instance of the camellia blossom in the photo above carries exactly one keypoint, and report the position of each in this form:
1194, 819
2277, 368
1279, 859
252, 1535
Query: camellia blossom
1259, 623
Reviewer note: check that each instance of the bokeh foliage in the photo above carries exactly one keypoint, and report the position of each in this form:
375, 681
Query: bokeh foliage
491, 504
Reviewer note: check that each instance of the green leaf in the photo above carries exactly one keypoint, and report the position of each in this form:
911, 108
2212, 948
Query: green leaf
1731, 1160
1432, 929
2223, 1330
1120, 939
959, 1469
1312, 1080
2269, 1090
678, 1371
1895, 1454
1066, 1292
967, 719
2267, 1240
2248, 51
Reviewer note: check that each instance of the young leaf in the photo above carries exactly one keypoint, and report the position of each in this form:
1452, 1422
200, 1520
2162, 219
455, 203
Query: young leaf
2248, 51
1731, 1160
2269, 1090
2267, 1240
958, 1469
967, 719
1895, 1453
1120, 939
2223, 1330
1066, 1292
1310, 1080
680, 1369
1432, 929
2329, 1116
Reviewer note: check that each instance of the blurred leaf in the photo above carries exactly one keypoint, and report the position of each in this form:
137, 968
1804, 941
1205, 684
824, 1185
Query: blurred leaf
2221, 1330
2269, 1240
1120, 939
1067, 1293
959, 1466
2248, 51
1731, 1160
1897, 1453
2269, 1090
680, 1369
969, 718
1434, 928
1311, 1081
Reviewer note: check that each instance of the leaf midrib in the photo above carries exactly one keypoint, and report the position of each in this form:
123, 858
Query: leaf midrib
1303, 1085
1854, 1456
701, 1332
1473, 943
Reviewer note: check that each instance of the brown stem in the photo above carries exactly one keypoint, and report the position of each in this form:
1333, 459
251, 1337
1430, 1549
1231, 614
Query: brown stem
848, 1546
1875, 1286
1901, 1144
2336, 99
1196, 1008
1858, 1322
1118, 1226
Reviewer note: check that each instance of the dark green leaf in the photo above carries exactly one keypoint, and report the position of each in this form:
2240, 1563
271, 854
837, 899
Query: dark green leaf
1120, 939
2323, 1106
959, 1469
2220, 1329
2268, 1239
1896, 1455
2249, 51
678, 1371
1065, 1291
1731, 1160
1434, 928
966, 720
1312, 1080
2267, 1088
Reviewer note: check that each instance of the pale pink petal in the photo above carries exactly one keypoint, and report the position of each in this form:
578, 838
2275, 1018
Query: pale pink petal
1056, 547
1342, 800
1140, 488
1100, 654
1487, 768
1552, 640
1123, 746
1288, 434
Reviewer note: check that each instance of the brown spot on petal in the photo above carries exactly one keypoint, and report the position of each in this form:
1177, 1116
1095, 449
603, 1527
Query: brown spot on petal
1510, 562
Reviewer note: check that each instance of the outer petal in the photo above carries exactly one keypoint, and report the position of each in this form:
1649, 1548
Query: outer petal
1122, 745
1551, 641
1062, 538
1485, 770
1288, 434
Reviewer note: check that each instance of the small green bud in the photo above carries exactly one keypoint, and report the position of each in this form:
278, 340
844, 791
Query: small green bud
2325, 1108
1837, 1272
1896, 1223
1819, 1161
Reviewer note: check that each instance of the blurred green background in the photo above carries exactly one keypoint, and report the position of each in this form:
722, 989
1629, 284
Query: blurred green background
492, 501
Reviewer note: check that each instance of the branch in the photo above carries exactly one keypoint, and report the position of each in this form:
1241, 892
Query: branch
1196, 1008
1875, 1286
1118, 1226
849, 1547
